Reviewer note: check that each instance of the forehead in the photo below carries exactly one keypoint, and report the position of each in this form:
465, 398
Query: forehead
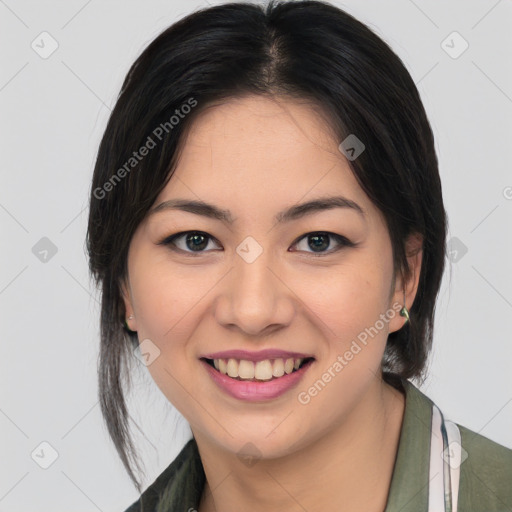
256, 151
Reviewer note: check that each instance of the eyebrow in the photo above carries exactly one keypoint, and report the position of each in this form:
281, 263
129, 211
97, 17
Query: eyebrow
290, 214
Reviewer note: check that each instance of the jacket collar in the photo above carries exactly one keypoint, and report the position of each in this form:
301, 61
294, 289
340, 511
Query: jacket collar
408, 491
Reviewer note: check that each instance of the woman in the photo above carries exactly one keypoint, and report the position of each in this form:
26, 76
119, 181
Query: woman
267, 222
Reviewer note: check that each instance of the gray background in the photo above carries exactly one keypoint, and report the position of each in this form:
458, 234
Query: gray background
53, 113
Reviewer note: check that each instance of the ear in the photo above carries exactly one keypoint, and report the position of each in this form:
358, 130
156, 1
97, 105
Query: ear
128, 306
409, 284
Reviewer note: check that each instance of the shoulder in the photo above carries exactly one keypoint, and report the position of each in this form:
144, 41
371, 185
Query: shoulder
485, 474
485, 470
178, 486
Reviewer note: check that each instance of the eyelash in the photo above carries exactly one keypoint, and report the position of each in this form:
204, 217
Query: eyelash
341, 240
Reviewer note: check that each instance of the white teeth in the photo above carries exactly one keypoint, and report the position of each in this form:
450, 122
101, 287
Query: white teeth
261, 370
288, 365
246, 370
278, 370
233, 368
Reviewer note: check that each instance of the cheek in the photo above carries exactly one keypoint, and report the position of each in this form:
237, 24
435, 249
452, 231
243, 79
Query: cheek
347, 304
170, 302
155, 297
349, 297
163, 303
166, 306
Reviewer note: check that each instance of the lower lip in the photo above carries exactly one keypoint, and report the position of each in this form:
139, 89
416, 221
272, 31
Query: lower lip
253, 391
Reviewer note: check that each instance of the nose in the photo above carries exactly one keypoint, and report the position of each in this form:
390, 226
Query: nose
254, 297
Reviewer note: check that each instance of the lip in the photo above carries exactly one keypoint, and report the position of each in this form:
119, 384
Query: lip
269, 353
252, 391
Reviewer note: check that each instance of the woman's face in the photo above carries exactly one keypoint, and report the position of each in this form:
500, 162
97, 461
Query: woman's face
263, 279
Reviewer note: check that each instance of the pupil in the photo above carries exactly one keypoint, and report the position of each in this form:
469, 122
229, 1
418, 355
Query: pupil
317, 240
198, 241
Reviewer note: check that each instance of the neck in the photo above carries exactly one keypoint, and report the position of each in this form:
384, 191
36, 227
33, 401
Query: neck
348, 468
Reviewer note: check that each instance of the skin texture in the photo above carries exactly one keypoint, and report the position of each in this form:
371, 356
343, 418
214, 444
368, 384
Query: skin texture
256, 156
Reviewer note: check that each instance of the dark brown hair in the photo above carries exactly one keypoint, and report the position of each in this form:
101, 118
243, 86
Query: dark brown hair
308, 50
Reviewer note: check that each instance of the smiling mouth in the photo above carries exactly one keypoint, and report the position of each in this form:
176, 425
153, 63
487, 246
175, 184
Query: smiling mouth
261, 371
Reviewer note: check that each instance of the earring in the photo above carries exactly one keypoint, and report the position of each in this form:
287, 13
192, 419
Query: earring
125, 323
404, 311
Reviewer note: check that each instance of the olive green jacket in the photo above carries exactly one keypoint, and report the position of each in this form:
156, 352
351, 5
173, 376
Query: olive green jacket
485, 471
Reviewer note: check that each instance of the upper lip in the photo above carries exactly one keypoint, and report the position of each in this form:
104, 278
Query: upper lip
270, 353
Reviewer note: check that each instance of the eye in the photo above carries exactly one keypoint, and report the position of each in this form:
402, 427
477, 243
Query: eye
321, 240
188, 241
198, 241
